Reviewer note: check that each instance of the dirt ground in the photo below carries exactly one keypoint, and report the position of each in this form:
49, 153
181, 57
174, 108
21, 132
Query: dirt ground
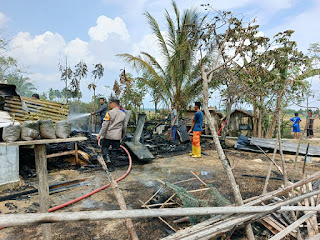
139, 185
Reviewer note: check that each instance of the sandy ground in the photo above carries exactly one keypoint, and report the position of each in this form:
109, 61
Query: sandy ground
139, 185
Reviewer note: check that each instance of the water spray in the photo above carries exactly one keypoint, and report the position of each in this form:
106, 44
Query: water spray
77, 116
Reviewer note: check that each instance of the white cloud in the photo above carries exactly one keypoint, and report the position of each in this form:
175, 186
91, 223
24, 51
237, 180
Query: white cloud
107, 26
41, 50
305, 26
3, 19
42, 53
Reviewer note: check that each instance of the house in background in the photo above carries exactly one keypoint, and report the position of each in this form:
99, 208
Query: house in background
189, 114
241, 122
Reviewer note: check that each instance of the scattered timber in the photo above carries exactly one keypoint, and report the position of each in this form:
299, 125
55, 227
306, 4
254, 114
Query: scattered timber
36, 109
264, 177
52, 187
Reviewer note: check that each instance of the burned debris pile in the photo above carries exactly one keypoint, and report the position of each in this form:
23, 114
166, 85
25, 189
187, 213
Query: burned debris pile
281, 212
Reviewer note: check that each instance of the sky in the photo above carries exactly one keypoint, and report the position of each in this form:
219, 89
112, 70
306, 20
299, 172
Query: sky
42, 33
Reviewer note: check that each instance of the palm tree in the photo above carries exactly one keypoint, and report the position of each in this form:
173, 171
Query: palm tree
178, 78
24, 85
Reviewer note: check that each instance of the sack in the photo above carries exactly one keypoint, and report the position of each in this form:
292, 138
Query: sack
30, 130
11, 133
63, 129
47, 129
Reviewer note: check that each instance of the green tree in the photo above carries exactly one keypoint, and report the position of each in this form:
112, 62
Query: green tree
97, 74
25, 86
80, 73
66, 77
177, 79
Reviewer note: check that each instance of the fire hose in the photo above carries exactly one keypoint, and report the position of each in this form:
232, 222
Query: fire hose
94, 191
97, 190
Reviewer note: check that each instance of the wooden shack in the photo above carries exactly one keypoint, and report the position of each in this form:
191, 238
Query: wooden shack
23, 108
241, 122
189, 114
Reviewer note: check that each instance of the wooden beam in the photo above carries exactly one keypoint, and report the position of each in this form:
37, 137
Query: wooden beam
292, 226
8, 220
59, 154
42, 174
76, 152
44, 141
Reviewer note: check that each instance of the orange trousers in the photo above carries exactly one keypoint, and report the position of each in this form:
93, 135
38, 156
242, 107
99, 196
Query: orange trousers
196, 138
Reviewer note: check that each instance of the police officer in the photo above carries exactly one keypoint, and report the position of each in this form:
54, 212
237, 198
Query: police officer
103, 109
112, 132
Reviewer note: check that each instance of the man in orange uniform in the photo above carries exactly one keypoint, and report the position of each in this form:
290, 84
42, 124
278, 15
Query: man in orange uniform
197, 130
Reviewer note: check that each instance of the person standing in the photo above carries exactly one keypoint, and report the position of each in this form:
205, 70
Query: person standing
296, 127
35, 96
103, 109
196, 128
174, 122
310, 120
112, 132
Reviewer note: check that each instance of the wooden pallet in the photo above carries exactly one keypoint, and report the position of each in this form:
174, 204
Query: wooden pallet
38, 109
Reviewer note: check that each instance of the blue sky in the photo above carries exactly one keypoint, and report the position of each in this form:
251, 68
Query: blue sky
41, 33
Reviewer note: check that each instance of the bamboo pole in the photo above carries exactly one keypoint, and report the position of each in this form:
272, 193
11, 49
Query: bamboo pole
197, 229
9, 220
284, 169
270, 168
120, 199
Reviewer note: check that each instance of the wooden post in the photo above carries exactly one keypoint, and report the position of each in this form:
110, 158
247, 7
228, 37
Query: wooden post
284, 169
270, 167
42, 174
76, 152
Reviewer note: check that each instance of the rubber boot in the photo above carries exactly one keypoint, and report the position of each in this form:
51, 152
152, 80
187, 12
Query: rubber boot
111, 167
197, 152
193, 151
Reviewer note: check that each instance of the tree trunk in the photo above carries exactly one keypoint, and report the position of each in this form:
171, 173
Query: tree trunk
222, 156
274, 119
260, 118
255, 120
260, 124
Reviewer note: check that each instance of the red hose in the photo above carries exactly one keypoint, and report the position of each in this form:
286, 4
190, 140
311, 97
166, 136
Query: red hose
222, 127
94, 191
97, 190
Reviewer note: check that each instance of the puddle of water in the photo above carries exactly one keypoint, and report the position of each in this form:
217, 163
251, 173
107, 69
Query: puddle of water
90, 204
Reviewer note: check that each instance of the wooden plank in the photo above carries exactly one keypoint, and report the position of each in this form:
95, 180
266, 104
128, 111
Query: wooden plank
73, 152
44, 141
123, 207
38, 109
8, 220
276, 225
26, 99
18, 104
37, 116
76, 152
197, 230
49, 104
309, 223
313, 220
293, 226
160, 218
316, 237
42, 174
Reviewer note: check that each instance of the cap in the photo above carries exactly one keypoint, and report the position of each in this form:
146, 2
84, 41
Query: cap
114, 100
